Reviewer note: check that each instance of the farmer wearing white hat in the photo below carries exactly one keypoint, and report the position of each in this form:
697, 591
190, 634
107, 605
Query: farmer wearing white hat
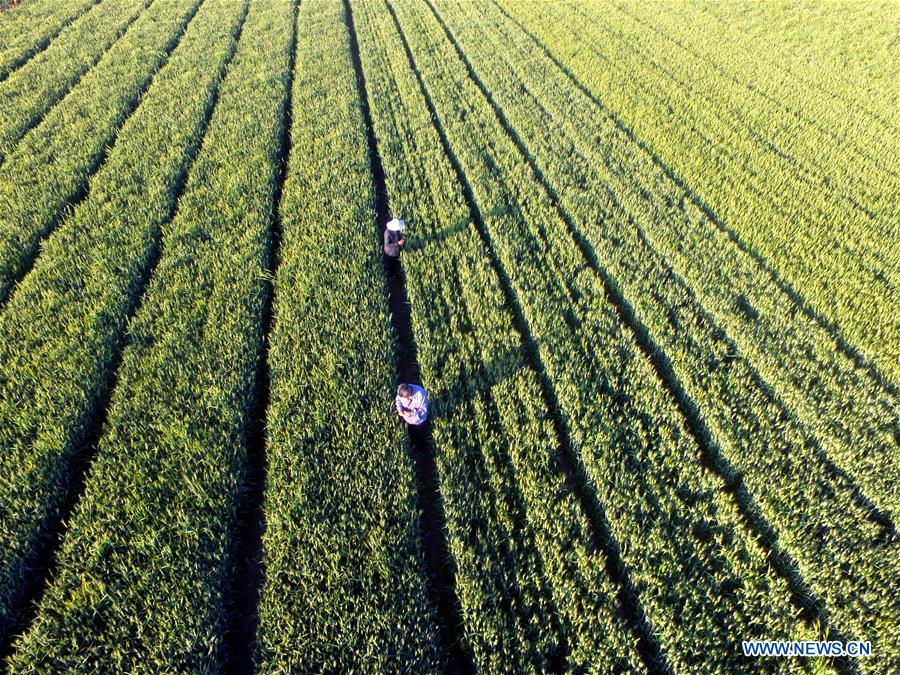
412, 404
393, 237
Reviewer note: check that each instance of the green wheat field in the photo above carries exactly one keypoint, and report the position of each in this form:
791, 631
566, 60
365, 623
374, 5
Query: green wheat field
651, 282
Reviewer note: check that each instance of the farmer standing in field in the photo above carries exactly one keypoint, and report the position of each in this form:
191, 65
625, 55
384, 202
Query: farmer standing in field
412, 403
393, 237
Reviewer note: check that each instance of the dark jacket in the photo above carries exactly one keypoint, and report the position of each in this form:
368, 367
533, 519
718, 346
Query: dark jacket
392, 242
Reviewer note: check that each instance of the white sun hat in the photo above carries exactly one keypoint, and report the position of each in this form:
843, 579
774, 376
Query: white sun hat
396, 225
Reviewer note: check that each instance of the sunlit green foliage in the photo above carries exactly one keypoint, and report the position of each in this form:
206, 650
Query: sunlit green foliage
144, 575
654, 249
51, 165
345, 581
31, 27
31, 90
62, 329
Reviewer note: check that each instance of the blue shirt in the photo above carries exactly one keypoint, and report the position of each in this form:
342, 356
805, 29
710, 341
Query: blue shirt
414, 409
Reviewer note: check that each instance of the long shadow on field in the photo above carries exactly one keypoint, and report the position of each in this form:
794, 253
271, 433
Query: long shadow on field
438, 237
43, 561
469, 391
809, 607
446, 401
575, 477
439, 563
849, 350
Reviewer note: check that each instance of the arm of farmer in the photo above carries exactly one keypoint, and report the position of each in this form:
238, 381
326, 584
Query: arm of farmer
402, 409
419, 405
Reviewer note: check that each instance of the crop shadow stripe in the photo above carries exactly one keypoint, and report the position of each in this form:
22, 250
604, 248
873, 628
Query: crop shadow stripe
801, 595
648, 647
45, 560
849, 350
439, 562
